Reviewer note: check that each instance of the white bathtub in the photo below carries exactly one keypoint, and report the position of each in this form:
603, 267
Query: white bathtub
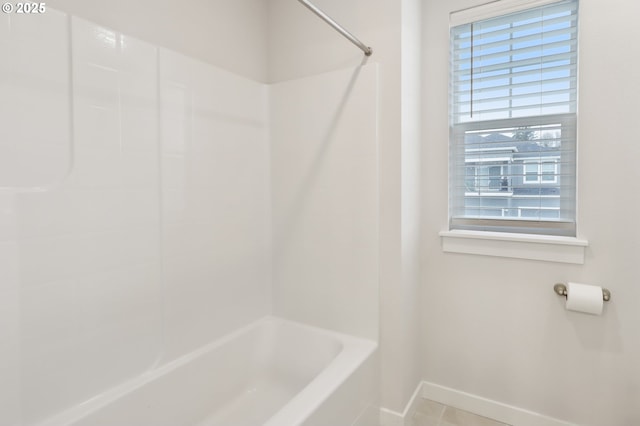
273, 372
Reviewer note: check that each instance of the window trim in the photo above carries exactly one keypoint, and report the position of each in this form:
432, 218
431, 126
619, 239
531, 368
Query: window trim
547, 248
493, 9
518, 245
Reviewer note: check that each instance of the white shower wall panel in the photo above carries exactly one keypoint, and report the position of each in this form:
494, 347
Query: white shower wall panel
83, 248
153, 239
325, 200
215, 201
34, 100
9, 328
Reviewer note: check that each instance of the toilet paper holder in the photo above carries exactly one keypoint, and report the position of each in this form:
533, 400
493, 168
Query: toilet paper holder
561, 290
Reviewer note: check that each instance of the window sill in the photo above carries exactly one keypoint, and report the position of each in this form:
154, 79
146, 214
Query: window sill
520, 246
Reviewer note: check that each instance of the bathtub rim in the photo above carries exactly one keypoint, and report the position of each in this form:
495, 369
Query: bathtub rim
354, 352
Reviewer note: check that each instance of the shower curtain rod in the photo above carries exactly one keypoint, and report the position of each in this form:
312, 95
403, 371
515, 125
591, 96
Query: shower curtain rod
367, 50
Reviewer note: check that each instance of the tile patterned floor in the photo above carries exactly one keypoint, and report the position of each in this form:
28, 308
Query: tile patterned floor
430, 413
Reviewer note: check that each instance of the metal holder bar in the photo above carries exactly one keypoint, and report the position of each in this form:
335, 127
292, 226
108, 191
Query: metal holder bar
353, 39
561, 290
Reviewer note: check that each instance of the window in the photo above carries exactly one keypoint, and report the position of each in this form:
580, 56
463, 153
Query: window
540, 171
486, 178
531, 173
513, 91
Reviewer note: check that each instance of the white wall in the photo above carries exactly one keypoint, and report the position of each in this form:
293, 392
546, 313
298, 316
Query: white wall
156, 241
325, 200
493, 327
301, 44
405, 333
230, 34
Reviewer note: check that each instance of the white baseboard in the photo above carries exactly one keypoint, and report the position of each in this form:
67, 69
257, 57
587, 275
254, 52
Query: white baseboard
488, 408
394, 418
468, 402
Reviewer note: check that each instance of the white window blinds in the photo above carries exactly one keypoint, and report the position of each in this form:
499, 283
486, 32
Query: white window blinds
513, 121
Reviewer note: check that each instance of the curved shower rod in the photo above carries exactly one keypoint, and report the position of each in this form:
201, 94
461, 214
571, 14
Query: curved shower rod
353, 39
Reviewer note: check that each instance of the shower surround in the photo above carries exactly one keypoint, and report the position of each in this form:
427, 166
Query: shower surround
151, 204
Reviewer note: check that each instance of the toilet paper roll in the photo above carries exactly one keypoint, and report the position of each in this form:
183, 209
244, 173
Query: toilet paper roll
584, 298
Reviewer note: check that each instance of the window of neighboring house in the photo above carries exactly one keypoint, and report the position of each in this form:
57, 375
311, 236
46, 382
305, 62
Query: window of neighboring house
549, 172
481, 179
531, 173
541, 172
513, 98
